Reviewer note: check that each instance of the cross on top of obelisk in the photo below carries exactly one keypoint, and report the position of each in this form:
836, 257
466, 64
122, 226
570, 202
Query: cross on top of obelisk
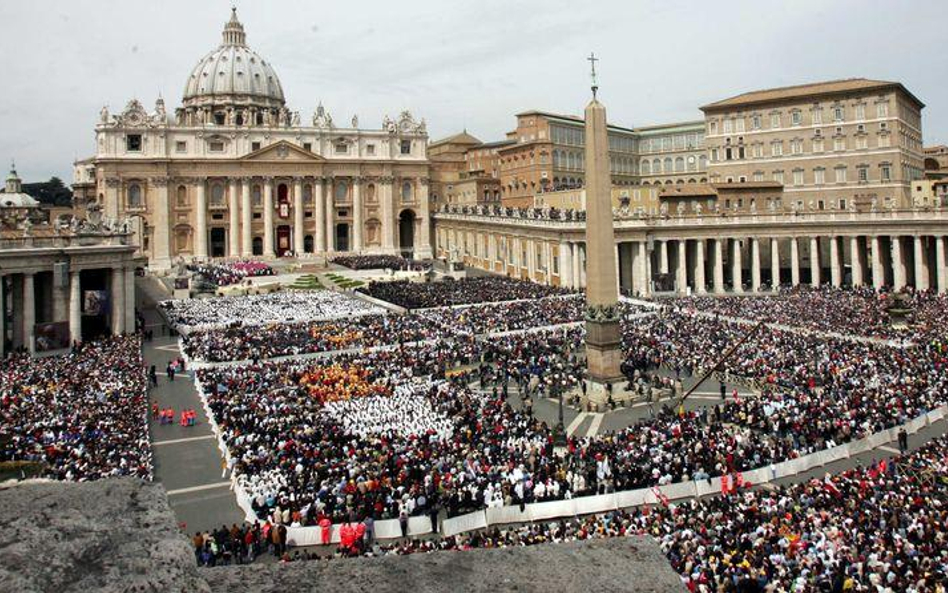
595, 83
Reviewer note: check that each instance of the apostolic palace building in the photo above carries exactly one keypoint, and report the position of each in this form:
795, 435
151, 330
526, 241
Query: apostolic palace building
825, 182
234, 172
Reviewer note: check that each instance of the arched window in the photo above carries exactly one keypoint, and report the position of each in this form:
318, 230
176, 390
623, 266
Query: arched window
679, 165
406, 191
217, 194
134, 196
256, 195
646, 167
182, 196
667, 165
703, 162
656, 166
341, 191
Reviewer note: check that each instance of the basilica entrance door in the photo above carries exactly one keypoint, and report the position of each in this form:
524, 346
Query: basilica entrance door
218, 242
283, 240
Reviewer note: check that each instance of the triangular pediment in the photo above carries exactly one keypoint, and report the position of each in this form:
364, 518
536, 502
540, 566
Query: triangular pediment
283, 151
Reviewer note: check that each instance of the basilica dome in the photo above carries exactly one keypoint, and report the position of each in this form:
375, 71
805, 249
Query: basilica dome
233, 74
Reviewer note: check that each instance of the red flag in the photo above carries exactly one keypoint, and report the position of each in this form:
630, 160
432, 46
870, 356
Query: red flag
660, 496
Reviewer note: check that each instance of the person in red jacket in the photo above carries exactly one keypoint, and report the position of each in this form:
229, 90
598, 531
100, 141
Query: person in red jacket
325, 526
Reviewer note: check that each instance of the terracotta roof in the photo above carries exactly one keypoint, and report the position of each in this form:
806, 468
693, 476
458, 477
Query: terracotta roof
831, 87
687, 190
459, 138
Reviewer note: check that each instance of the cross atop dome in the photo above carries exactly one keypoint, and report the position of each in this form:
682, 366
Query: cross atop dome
234, 30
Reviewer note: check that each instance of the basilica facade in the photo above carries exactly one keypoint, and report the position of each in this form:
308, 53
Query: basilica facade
234, 172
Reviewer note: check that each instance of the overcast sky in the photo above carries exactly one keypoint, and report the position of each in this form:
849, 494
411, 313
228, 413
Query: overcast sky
457, 64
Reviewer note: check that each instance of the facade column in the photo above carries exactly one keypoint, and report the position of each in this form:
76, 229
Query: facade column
755, 264
737, 267
663, 257
644, 264
699, 267
130, 300
566, 261
29, 313
246, 217
75, 306
836, 275
329, 187
775, 263
117, 294
233, 230
357, 214
582, 264
200, 231
298, 231
855, 256
718, 264
682, 271
162, 223
878, 273
320, 215
794, 262
16, 300
941, 273
423, 239
814, 261
618, 272
388, 217
921, 264
268, 217
898, 264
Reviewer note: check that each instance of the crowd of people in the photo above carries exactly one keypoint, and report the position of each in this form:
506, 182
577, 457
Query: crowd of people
81, 416
190, 315
380, 262
450, 292
227, 273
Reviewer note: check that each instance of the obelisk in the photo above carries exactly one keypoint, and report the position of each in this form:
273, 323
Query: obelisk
603, 336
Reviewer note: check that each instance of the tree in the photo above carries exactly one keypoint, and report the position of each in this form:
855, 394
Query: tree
53, 192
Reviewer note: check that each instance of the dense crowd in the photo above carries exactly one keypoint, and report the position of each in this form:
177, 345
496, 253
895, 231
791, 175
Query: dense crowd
227, 273
82, 415
367, 331
187, 316
379, 262
421, 295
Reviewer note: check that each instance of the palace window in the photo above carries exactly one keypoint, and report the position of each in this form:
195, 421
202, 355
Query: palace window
839, 144
308, 146
841, 174
758, 175
860, 111
370, 149
254, 146
406, 191
406, 147
819, 176
181, 146
838, 113
882, 110
778, 177
774, 120
133, 142
776, 148
818, 145
885, 171
817, 115
341, 148
215, 146
256, 195
755, 122
134, 195
182, 198
798, 177
796, 118
217, 194
341, 191
862, 173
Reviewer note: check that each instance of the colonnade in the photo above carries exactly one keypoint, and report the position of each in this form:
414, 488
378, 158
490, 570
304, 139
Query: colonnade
41, 299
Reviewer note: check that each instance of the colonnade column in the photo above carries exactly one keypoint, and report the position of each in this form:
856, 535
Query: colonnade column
200, 232
699, 267
718, 264
29, 313
356, 214
618, 271
898, 264
330, 186
942, 273
162, 222
663, 257
268, 217
794, 262
75, 306
565, 263
423, 240
755, 264
682, 271
878, 274
320, 237
233, 231
737, 265
836, 273
576, 269
774, 263
117, 294
814, 261
582, 264
921, 264
643, 264
855, 256
130, 300
246, 216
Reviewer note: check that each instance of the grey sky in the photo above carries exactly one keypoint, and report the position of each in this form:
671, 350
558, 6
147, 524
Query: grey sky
457, 64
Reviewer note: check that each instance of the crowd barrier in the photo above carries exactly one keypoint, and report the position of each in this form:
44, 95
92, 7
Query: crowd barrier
584, 505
